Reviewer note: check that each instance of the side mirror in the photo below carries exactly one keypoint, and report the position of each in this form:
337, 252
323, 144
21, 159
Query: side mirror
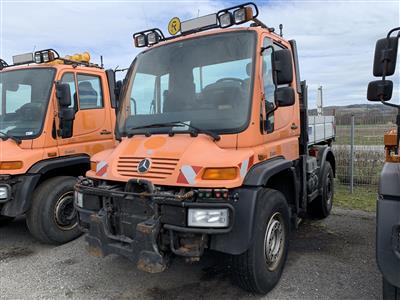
284, 96
111, 87
67, 114
283, 65
385, 49
380, 90
63, 94
117, 91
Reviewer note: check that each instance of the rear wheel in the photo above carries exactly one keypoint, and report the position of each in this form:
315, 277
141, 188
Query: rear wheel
4, 220
52, 218
321, 206
390, 292
259, 269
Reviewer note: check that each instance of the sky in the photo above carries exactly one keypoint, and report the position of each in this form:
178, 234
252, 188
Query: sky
335, 39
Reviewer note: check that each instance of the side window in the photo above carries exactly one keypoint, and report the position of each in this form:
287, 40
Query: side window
90, 92
268, 83
69, 79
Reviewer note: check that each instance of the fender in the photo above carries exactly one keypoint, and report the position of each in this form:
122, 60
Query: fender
240, 237
259, 174
24, 188
323, 153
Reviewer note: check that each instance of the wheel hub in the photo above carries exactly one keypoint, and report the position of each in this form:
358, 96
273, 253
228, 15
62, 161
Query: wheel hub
64, 212
274, 241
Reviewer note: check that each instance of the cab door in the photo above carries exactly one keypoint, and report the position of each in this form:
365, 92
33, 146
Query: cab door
92, 129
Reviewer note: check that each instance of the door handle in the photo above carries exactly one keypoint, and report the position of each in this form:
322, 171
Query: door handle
105, 132
294, 126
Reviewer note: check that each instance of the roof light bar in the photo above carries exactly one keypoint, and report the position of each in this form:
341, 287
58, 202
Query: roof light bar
21, 59
204, 22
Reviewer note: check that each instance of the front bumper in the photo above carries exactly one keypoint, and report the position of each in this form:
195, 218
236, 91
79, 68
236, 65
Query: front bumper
19, 192
144, 226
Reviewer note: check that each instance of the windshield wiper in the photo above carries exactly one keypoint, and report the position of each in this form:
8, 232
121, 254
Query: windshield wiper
6, 136
197, 130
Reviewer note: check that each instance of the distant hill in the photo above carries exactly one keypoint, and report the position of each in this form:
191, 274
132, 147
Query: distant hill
363, 113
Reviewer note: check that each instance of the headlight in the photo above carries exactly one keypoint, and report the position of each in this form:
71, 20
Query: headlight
200, 217
79, 199
3, 192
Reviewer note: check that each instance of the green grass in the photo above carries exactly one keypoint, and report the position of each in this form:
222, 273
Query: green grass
363, 198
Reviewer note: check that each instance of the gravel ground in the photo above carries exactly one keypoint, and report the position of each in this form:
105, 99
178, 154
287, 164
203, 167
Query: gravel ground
329, 259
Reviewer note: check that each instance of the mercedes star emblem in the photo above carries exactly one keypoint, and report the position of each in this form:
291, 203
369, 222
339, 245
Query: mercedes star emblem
144, 165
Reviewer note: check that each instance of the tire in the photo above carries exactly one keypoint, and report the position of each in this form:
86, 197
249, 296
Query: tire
4, 220
390, 292
52, 218
321, 206
256, 271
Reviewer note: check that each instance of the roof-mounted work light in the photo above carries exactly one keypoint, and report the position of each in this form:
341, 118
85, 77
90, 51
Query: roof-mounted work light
44, 56
148, 37
3, 64
237, 14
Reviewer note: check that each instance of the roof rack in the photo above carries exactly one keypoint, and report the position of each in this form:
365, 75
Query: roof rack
49, 56
224, 18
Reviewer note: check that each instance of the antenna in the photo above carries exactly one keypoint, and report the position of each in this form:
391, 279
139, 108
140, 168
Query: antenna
280, 30
101, 61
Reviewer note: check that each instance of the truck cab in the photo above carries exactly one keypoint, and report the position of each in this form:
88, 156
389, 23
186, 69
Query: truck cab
388, 200
55, 113
215, 153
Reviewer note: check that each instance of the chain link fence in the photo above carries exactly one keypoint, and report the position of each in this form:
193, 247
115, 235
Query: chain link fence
362, 168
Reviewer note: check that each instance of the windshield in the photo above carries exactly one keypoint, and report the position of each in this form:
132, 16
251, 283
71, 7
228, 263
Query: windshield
204, 82
24, 97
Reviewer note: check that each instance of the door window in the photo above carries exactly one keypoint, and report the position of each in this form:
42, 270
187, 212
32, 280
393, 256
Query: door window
90, 92
268, 84
69, 79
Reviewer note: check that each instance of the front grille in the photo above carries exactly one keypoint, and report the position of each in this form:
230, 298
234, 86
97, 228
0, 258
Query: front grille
160, 168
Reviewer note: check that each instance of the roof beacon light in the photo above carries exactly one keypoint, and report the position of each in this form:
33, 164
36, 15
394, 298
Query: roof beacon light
79, 57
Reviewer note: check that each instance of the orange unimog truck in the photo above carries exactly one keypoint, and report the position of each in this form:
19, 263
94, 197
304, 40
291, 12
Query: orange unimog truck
217, 153
55, 113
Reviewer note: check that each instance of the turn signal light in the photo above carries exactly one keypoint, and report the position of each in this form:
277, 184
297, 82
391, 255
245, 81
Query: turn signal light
93, 166
220, 173
11, 165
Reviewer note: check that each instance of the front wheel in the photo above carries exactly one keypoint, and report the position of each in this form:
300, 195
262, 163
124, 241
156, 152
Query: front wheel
321, 206
390, 292
52, 218
259, 269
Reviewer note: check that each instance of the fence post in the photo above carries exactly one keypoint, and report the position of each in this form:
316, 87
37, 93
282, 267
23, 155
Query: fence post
352, 154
